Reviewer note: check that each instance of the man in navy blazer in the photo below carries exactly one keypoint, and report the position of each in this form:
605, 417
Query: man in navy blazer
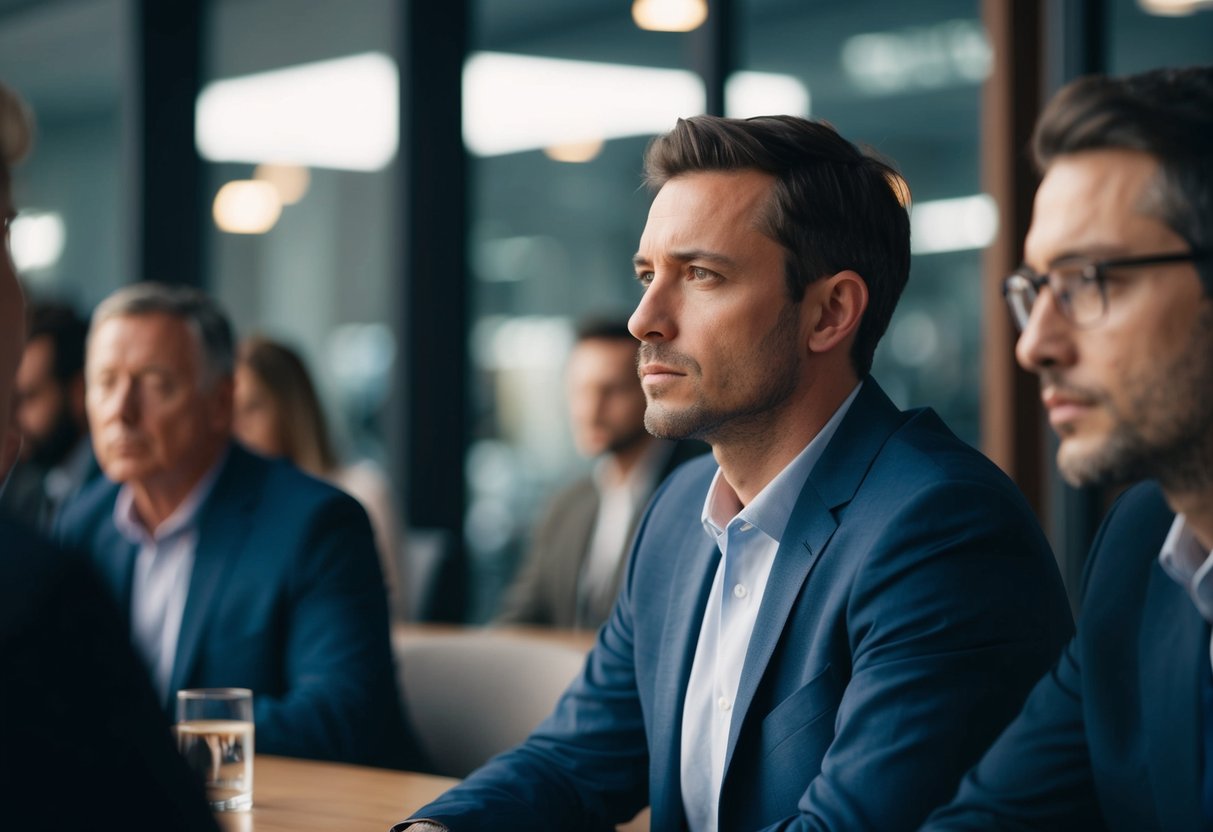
822, 627
1115, 304
235, 571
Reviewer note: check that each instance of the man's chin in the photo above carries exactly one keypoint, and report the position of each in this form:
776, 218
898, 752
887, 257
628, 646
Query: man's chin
1084, 464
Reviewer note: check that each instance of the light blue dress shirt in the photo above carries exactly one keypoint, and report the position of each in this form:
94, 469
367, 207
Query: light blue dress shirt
161, 581
748, 538
1191, 566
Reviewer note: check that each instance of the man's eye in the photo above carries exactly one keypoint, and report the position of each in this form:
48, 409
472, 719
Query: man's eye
644, 278
700, 273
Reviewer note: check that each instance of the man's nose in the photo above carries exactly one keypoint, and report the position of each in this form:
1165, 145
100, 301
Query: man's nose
128, 402
654, 318
1045, 341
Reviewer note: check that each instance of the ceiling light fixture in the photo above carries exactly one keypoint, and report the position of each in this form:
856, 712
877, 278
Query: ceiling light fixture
669, 15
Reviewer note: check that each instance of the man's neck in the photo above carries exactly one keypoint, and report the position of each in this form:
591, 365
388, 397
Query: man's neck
752, 454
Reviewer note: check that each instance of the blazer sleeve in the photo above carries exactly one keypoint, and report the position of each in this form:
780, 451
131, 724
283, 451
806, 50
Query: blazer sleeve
340, 700
956, 612
1037, 776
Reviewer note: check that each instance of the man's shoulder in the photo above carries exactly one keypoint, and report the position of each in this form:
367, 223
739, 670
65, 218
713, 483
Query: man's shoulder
924, 450
276, 484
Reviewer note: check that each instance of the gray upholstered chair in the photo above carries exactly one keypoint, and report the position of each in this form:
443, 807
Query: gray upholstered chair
470, 695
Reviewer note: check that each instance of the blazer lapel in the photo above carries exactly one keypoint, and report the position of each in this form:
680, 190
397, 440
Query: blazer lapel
832, 483
1174, 649
115, 556
696, 561
222, 530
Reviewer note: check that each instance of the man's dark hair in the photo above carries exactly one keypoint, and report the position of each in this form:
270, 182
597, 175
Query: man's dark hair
604, 329
1167, 113
832, 207
67, 332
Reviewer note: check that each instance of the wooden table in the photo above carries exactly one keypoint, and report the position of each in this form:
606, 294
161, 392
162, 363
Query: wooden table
305, 795
301, 795
581, 640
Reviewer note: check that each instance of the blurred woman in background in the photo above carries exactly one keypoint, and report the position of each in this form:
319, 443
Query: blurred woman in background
278, 414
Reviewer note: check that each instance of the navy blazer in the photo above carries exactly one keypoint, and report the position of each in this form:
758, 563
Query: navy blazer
286, 597
912, 604
1111, 738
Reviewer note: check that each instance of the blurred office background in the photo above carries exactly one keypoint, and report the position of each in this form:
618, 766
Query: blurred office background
424, 198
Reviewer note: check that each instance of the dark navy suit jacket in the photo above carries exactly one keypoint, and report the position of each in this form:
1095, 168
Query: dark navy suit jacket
912, 604
1110, 739
286, 597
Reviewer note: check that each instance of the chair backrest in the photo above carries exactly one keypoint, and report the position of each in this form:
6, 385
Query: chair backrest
472, 695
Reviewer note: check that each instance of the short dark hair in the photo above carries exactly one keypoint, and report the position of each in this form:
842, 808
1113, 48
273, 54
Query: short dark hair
67, 332
1167, 113
199, 311
604, 329
833, 207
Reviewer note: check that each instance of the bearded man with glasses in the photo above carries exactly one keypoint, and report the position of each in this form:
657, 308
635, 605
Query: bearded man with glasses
1115, 307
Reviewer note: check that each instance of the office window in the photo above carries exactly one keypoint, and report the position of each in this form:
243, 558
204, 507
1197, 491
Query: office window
559, 103
298, 119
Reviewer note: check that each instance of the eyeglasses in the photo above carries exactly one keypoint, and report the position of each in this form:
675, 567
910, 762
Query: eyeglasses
1078, 285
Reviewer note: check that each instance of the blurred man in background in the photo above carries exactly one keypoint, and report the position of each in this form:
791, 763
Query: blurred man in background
237, 571
571, 574
49, 408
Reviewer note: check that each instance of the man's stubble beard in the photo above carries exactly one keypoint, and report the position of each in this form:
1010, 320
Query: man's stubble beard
773, 379
1169, 436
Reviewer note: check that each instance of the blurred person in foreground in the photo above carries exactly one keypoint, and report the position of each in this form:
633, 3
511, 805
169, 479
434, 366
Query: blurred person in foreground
824, 625
1115, 304
573, 568
235, 571
278, 414
82, 739
49, 408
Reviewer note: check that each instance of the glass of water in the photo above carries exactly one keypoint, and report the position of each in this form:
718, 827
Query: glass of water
215, 735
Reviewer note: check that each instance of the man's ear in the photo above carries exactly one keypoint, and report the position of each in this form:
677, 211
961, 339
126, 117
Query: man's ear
841, 300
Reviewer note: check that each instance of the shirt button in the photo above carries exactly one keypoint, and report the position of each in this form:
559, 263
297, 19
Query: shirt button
723, 703
740, 591
745, 527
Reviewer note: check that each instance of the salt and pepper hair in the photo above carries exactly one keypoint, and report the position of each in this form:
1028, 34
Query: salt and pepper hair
196, 308
833, 207
1167, 113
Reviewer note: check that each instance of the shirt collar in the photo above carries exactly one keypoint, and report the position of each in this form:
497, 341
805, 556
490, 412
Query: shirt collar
771, 509
126, 518
1189, 564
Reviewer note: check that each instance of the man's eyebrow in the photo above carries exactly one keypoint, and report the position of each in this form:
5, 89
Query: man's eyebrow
687, 255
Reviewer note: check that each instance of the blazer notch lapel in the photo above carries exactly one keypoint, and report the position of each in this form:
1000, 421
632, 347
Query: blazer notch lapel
222, 532
809, 531
697, 561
